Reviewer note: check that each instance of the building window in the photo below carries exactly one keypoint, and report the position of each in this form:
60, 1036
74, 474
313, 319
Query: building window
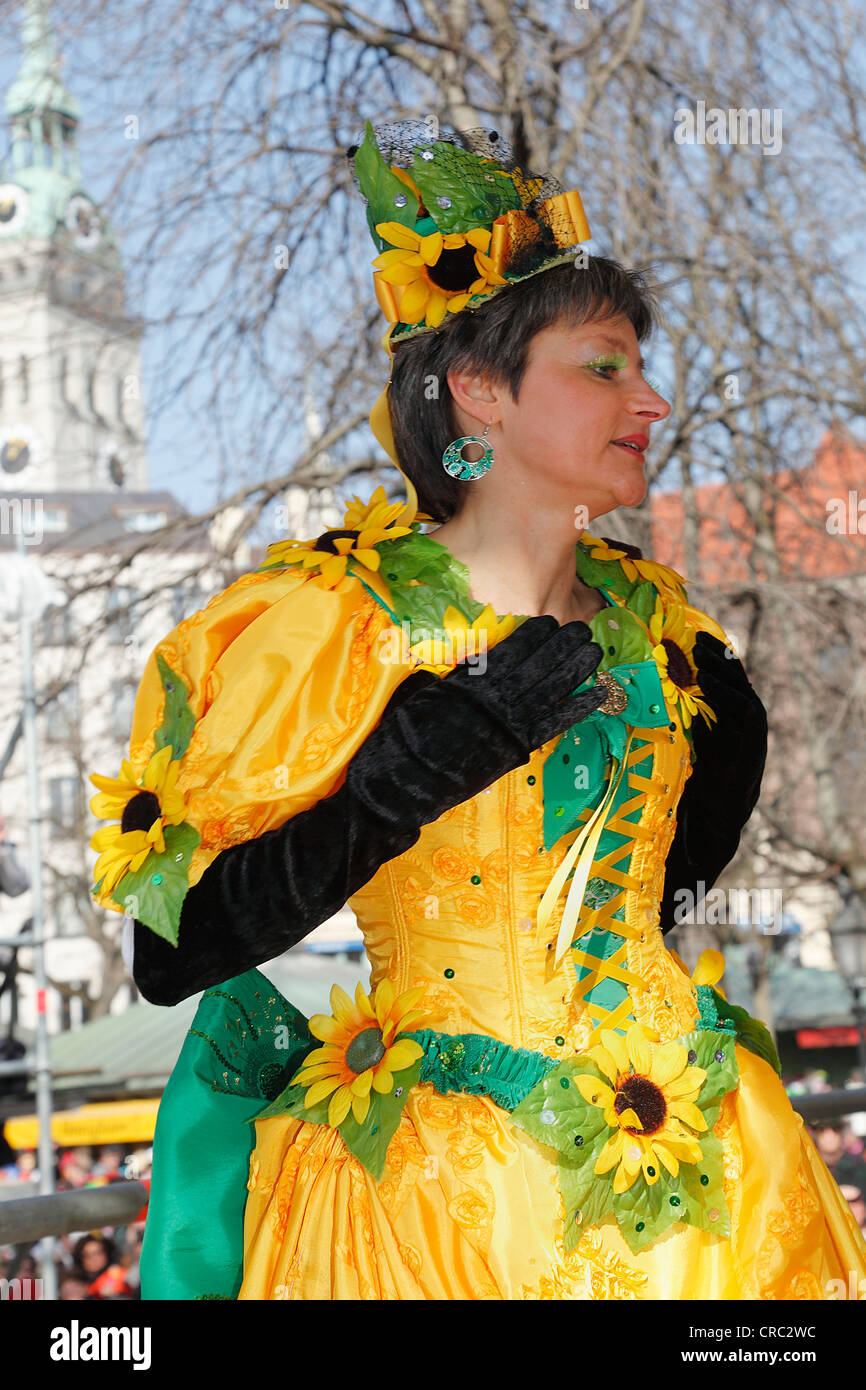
143, 521
121, 615
63, 715
122, 707
65, 810
56, 628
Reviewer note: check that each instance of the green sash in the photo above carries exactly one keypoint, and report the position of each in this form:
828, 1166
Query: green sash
244, 1043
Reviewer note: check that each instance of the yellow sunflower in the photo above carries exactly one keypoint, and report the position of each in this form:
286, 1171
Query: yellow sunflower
650, 1105
365, 525
432, 654
145, 805
434, 275
665, 579
378, 513
674, 642
361, 1049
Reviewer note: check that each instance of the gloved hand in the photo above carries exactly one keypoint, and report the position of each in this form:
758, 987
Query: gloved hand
721, 792
439, 743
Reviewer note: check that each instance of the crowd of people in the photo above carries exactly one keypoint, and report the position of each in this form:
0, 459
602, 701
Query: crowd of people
840, 1142
99, 1264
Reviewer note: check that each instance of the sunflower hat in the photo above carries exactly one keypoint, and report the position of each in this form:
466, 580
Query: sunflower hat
454, 220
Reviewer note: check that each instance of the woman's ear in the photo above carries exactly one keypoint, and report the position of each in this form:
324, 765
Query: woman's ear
472, 393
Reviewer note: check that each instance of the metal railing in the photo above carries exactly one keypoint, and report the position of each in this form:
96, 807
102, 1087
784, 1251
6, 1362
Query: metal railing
830, 1105
25, 1219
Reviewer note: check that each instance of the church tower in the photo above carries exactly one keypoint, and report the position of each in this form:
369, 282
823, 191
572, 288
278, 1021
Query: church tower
71, 416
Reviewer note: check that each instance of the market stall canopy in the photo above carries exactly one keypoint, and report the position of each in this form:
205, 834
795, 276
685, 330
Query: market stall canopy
112, 1122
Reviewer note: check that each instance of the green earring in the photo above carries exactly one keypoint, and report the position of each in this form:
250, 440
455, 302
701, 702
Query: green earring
456, 466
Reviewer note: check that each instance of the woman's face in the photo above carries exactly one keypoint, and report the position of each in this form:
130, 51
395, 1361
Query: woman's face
583, 389
93, 1258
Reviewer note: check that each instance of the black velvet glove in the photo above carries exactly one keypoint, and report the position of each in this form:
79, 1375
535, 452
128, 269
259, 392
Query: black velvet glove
439, 743
721, 792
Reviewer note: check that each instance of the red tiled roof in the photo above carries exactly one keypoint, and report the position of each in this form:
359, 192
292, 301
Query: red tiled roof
800, 506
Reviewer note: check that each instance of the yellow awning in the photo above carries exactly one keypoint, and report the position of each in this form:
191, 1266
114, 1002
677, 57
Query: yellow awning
112, 1122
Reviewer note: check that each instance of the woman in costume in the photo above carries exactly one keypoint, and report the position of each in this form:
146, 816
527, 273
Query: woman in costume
534, 1099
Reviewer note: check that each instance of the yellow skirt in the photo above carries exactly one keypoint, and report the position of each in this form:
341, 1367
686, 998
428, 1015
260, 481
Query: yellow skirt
469, 1207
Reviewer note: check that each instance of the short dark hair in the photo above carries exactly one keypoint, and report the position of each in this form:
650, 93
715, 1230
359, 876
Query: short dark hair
495, 337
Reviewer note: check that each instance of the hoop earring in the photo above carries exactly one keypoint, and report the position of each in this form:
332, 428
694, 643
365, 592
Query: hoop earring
456, 466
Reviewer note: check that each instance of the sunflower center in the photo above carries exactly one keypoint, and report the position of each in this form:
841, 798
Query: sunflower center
679, 669
140, 812
326, 540
455, 270
645, 1099
632, 551
365, 1050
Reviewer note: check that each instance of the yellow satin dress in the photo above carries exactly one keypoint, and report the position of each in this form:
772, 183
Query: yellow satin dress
469, 1205
285, 677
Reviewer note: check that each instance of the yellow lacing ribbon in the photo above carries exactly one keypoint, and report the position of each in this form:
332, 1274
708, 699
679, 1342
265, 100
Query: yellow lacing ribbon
612, 967
580, 856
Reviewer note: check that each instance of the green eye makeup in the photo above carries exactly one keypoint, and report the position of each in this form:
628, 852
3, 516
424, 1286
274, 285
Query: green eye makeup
617, 360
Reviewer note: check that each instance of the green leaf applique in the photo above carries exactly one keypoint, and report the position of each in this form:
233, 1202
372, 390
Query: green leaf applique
178, 720
154, 894
380, 187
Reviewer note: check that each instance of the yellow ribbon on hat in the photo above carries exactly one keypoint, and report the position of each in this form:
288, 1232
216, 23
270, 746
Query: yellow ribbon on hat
583, 852
566, 220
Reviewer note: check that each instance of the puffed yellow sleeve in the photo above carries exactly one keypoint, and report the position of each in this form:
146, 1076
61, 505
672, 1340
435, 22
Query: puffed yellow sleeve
247, 714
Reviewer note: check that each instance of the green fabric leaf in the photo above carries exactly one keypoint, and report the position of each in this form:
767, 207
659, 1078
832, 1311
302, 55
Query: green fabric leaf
380, 187
158, 905
607, 574
461, 176
642, 600
178, 719
751, 1032
587, 1198
441, 579
290, 1101
721, 1076
699, 1200
369, 1141
554, 1114
620, 636
647, 1206
684, 1198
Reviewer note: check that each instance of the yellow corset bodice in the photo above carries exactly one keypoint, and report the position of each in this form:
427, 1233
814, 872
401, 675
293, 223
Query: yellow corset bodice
457, 912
